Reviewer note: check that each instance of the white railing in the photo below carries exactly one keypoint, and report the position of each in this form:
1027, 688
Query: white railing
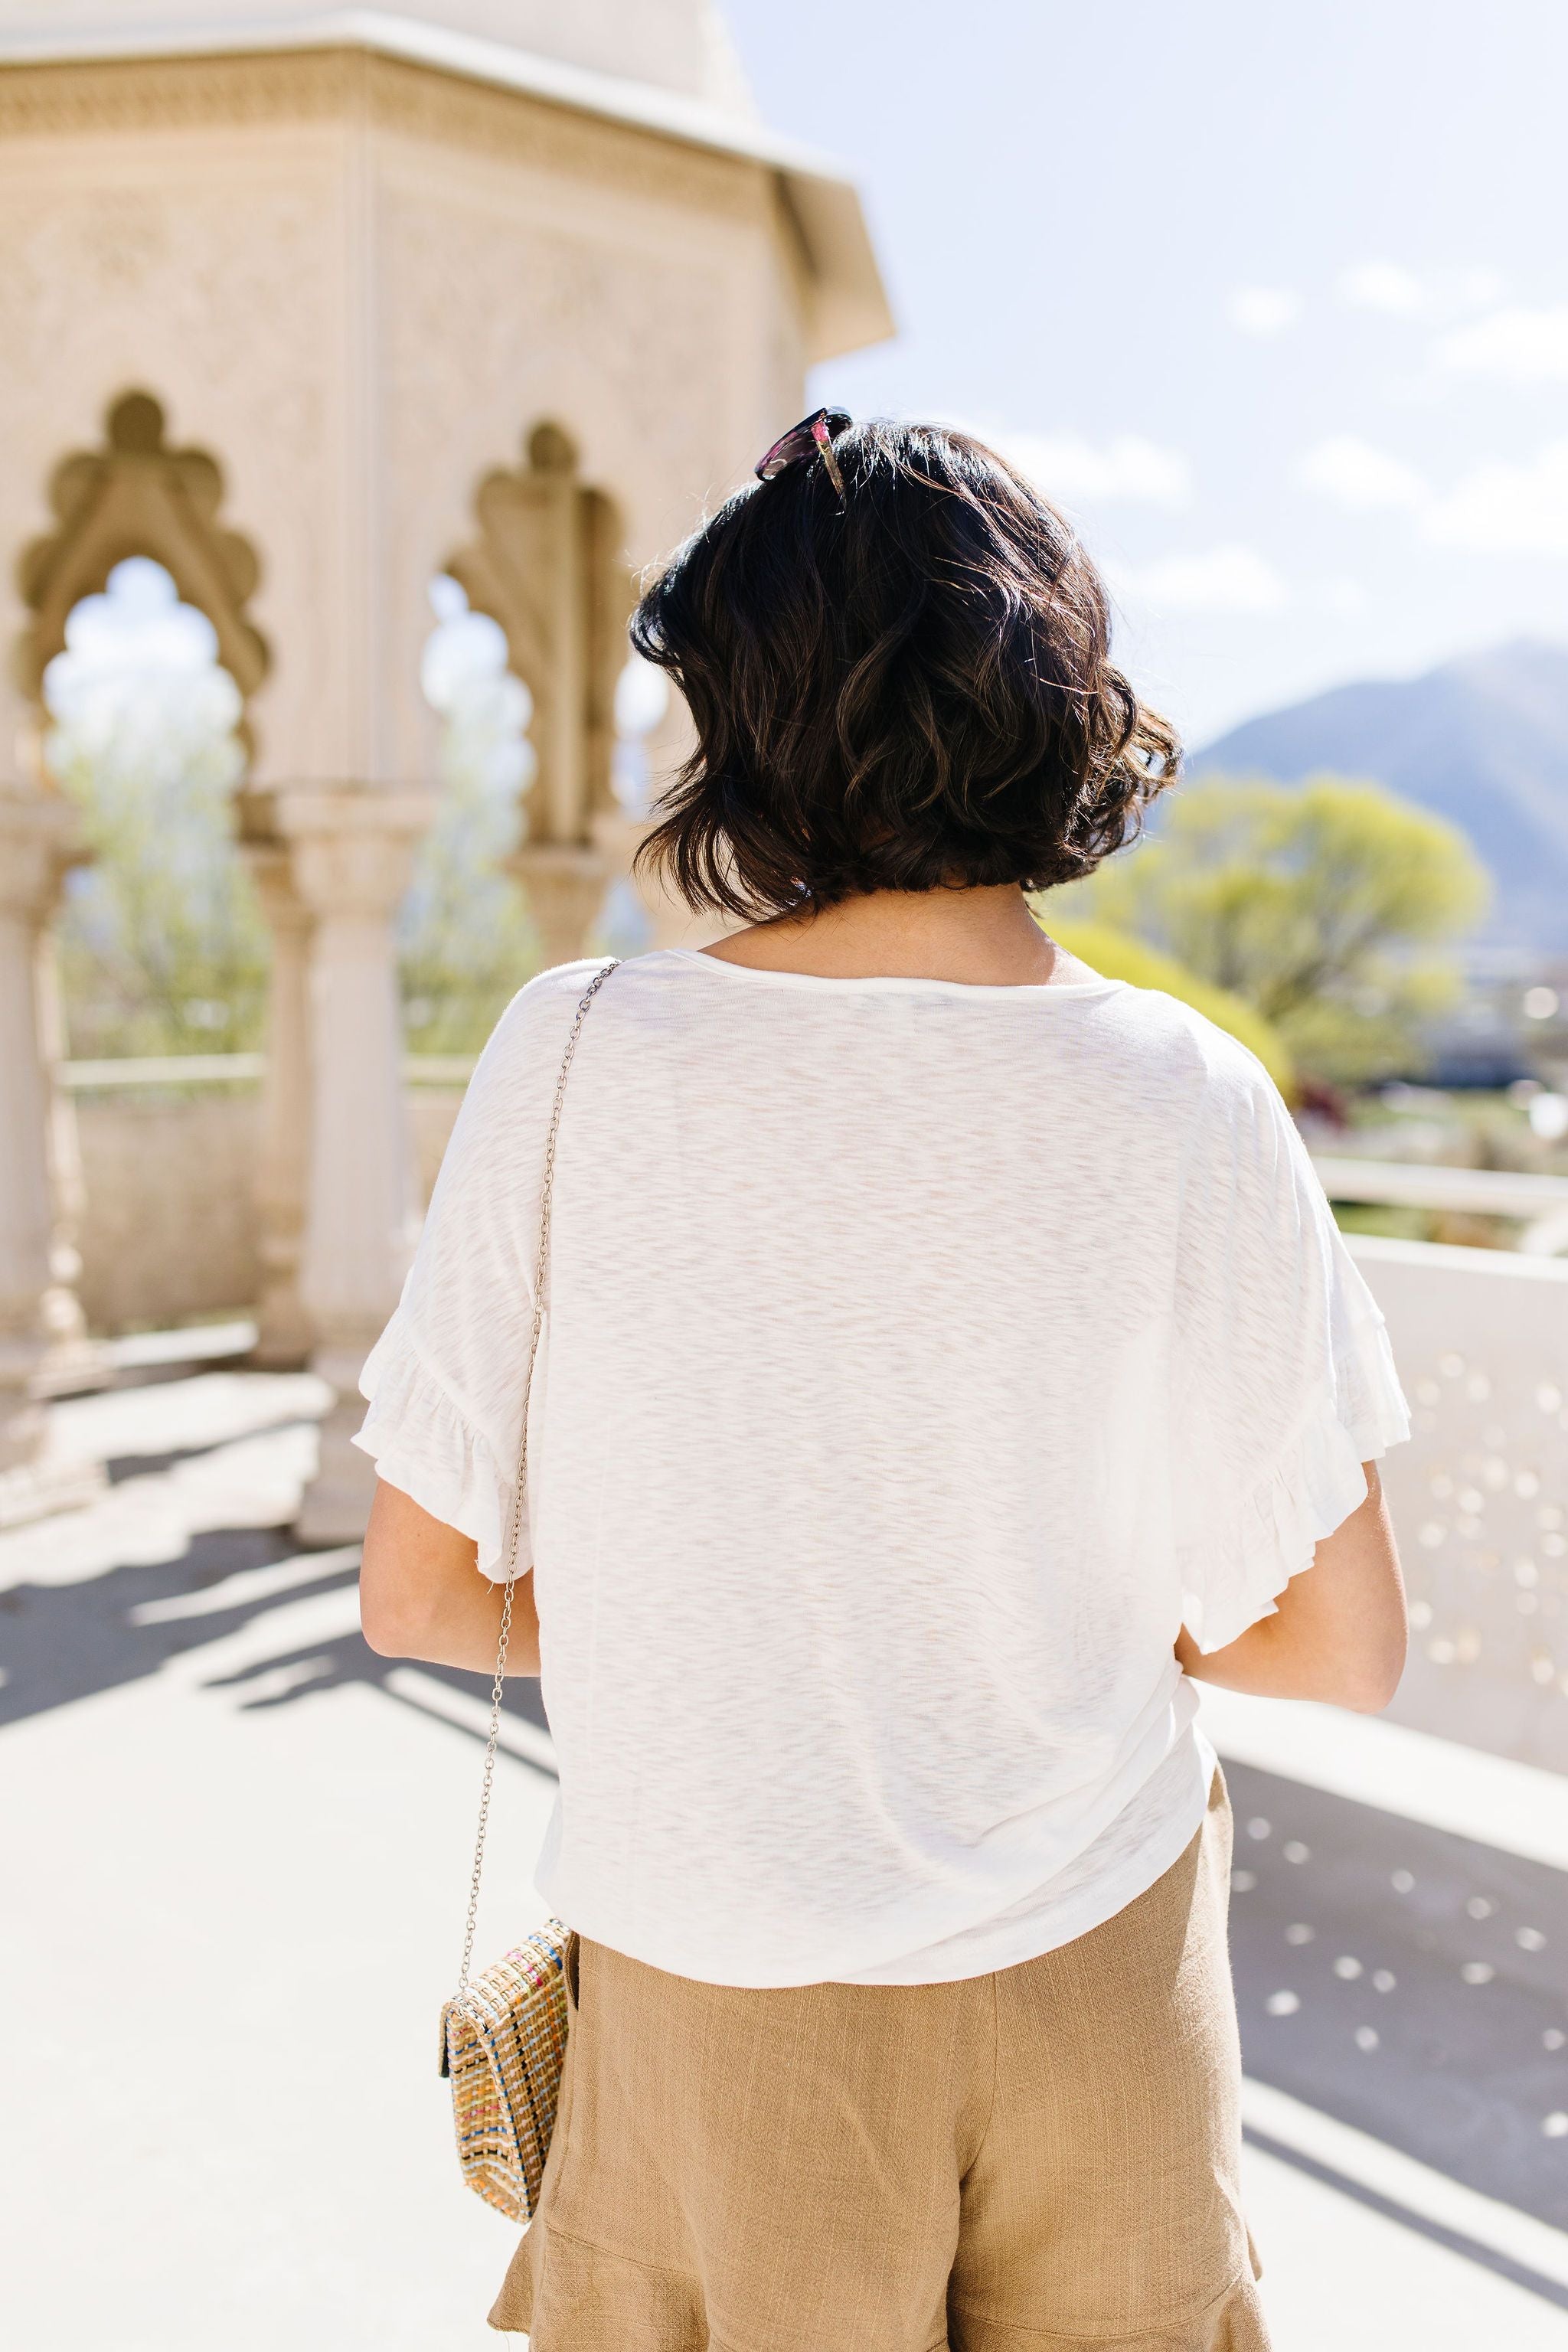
234, 1069
163, 1070
1540, 1202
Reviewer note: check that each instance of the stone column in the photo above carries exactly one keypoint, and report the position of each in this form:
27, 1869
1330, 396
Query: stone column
40, 1321
284, 1332
72, 1361
673, 923
351, 853
564, 884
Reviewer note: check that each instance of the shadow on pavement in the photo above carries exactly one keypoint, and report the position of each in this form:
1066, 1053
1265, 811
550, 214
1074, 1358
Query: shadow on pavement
63, 1642
1410, 1982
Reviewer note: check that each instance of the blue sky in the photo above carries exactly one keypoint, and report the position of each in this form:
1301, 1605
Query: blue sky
1273, 296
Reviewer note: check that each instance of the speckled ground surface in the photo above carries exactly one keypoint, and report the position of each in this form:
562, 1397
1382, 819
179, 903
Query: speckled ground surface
1409, 1982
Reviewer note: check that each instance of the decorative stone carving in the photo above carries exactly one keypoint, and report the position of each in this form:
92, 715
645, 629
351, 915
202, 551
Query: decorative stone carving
39, 1327
120, 95
548, 568
132, 496
137, 497
284, 1331
169, 93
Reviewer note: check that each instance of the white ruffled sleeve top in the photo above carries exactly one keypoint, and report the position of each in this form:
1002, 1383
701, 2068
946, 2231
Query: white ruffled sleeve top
918, 1359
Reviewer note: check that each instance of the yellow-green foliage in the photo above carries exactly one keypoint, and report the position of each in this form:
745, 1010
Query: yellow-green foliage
1119, 956
1332, 906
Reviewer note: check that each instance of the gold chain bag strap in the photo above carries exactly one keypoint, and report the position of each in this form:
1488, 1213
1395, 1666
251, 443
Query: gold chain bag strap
503, 2035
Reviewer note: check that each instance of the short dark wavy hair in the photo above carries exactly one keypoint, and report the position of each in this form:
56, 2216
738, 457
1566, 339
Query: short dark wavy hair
911, 693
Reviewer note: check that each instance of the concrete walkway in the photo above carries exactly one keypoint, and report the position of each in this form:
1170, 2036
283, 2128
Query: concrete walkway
234, 1848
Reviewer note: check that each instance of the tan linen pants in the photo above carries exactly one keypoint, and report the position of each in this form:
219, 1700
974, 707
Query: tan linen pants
1038, 2160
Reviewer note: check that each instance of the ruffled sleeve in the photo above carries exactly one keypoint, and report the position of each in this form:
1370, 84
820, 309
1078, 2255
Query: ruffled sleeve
424, 1442
445, 1380
1285, 1378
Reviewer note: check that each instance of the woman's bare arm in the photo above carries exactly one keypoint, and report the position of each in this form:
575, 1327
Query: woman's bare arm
1338, 1631
421, 1595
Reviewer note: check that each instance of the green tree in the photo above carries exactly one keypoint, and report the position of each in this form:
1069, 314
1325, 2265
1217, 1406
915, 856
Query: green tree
162, 944
163, 949
466, 943
1327, 906
465, 939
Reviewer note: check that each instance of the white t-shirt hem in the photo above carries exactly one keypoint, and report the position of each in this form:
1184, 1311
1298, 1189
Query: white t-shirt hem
1098, 1903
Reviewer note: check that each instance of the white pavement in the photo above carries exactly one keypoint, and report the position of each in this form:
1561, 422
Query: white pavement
234, 1883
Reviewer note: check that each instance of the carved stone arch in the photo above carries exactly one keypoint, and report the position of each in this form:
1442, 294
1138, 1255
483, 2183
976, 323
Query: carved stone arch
548, 566
136, 496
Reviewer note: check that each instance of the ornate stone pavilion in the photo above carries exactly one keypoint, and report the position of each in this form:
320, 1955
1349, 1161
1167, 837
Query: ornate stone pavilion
311, 306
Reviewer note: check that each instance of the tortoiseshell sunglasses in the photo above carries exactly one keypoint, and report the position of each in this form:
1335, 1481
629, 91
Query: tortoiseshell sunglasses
812, 436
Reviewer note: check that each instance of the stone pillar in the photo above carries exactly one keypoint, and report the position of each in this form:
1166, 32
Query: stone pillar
71, 1360
351, 853
284, 1332
671, 922
667, 741
40, 1321
559, 675
564, 884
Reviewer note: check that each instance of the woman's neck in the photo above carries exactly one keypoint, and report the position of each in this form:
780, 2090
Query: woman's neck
985, 937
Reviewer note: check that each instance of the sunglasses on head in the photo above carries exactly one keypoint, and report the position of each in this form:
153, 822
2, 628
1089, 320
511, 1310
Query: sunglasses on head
813, 437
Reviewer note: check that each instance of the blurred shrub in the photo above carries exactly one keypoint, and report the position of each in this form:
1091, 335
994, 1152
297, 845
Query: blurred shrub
465, 939
1324, 906
163, 948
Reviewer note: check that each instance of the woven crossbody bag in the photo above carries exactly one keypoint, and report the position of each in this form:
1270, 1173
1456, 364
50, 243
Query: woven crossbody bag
503, 2033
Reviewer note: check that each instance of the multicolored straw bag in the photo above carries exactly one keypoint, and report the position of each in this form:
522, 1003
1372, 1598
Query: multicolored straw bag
503, 2033
503, 2048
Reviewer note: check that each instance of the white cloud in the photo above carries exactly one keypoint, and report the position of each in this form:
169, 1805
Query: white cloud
1385, 286
1347, 600
1516, 346
1227, 579
1355, 475
1499, 508
1263, 310
1126, 470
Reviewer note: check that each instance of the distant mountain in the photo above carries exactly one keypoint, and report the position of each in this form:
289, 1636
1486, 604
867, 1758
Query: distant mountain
1482, 741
